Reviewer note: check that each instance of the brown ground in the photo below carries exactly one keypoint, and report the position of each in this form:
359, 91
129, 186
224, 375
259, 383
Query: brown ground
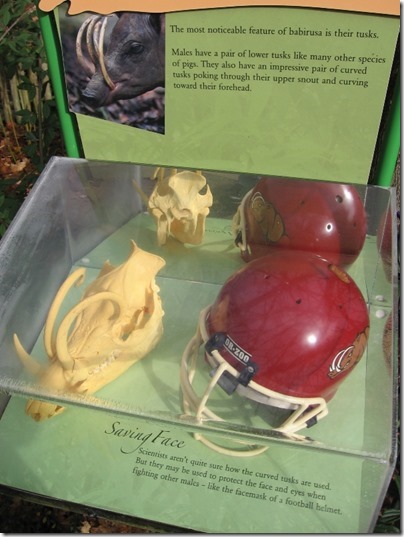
18, 515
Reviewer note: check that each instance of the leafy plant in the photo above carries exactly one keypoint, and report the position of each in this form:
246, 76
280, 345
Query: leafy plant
29, 123
389, 520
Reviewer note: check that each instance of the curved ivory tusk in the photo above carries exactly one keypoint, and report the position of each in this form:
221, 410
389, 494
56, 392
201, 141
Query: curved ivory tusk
158, 174
140, 192
62, 350
93, 34
87, 66
75, 278
31, 365
101, 55
95, 45
91, 37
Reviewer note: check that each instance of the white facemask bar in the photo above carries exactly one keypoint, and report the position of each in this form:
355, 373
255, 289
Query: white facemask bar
194, 404
239, 225
307, 409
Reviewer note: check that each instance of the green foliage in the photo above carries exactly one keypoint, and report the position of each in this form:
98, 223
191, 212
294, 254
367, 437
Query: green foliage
4, 214
29, 123
12, 194
389, 521
25, 89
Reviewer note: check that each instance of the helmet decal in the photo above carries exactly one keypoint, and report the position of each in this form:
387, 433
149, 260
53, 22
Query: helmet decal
350, 356
236, 351
267, 218
221, 340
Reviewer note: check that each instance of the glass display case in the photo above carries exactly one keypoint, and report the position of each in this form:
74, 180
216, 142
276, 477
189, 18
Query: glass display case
117, 281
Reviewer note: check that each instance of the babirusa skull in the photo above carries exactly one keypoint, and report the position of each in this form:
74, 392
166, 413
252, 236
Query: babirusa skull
117, 322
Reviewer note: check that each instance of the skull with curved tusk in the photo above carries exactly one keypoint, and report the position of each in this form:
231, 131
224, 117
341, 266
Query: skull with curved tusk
117, 322
180, 204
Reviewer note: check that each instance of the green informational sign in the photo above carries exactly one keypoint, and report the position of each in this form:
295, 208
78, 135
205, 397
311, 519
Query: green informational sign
159, 473
269, 90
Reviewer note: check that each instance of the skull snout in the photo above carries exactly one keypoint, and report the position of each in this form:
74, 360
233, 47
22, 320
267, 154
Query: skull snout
181, 213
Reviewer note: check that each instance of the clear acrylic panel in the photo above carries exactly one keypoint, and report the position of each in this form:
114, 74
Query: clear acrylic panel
82, 214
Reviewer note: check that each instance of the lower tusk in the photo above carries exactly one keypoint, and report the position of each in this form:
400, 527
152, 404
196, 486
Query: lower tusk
29, 363
140, 192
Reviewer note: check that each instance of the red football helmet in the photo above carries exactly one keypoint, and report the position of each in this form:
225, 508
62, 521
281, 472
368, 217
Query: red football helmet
325, 218
284, 331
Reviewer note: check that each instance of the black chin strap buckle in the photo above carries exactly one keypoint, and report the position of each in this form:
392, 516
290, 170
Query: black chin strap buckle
216, 342
312, 421
227, 381
247, 373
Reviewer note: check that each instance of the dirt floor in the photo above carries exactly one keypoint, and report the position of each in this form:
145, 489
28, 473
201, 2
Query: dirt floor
18, 515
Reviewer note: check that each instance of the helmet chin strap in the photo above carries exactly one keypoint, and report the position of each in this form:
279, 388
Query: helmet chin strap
306, 411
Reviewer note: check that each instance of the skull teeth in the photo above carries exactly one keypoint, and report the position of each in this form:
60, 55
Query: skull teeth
104, 364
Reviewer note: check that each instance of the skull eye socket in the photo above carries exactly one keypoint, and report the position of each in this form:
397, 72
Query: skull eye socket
204, 190
164, 189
